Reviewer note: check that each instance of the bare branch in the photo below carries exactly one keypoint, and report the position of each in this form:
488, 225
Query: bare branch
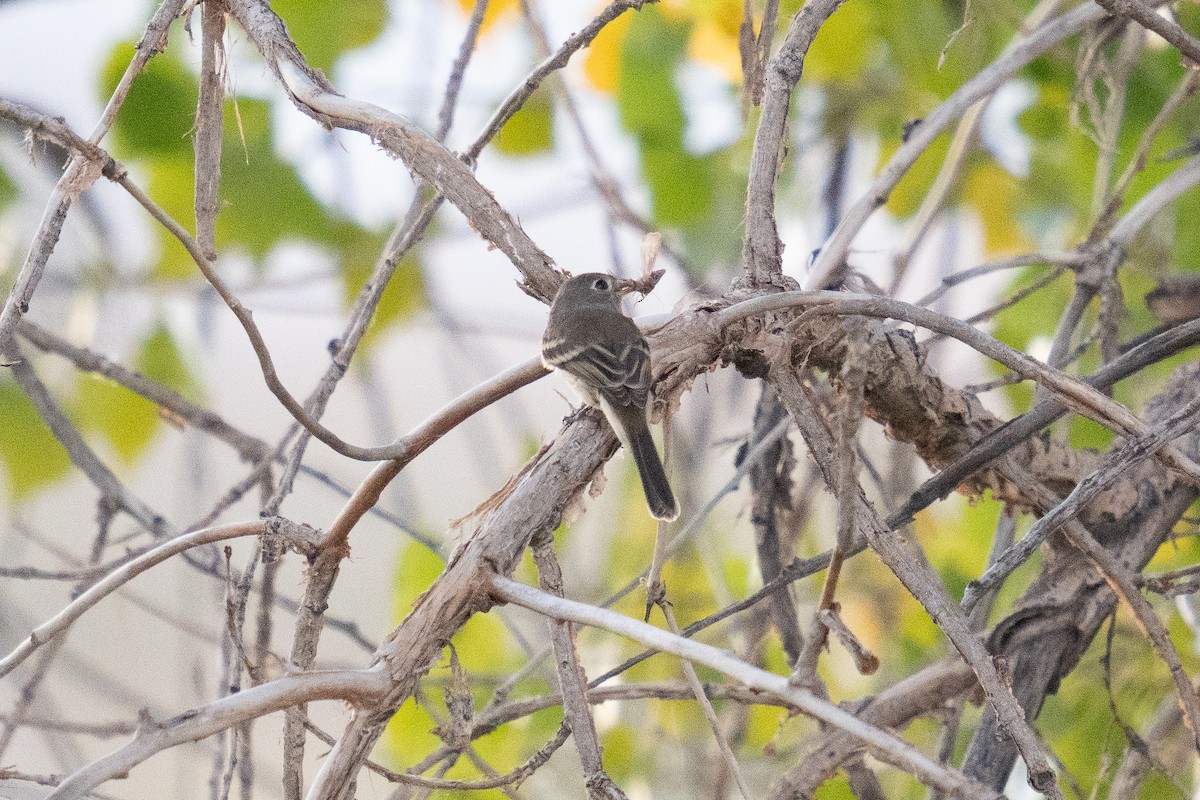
354, 686
1148, 18
882, 745
120, 576
206, 141
79, 174
833, 254
761, 248
571, 679
313, 95
906, 560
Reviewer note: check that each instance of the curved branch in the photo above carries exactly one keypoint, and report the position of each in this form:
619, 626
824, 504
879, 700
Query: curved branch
352, 685
1076, 394
881, 744
1147, 17
313, 95
118, 578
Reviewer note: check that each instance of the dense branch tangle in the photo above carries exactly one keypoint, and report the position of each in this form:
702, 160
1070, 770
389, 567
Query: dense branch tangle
898, 389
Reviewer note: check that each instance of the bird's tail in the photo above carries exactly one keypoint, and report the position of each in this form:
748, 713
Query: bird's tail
659, 496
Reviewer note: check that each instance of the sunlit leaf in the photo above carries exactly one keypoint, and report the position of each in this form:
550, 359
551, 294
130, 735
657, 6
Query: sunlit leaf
404, 295
762, 723
497, 10
408, 737
1187, 14
8, 190
714, 37
262, 198
416, 569
908, 44
32, 457
602, 60
650, 109
906, 198
1086, 434
994, 195
958, 537
624, 757
160, 110
323, 31
1187, 232
531, 129
160, 359
128, 421
845, 42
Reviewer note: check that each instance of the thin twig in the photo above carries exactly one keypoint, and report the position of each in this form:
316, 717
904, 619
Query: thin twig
571, 678
1078, 395
693, 680
908, 563
354, 686
1148, 18
1117, 464
78, 175
114, 580
1046, 36
206, 136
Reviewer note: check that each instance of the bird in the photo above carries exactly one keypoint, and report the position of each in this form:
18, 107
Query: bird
606, 359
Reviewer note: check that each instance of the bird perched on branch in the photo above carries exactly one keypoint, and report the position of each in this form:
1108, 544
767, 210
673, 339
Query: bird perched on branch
605, 357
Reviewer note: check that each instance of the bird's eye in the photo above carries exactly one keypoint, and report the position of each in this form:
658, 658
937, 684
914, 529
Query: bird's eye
601, 285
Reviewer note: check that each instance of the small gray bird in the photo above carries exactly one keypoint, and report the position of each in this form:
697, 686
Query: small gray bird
607, 360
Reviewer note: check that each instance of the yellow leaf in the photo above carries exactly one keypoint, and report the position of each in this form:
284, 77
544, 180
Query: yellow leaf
993, 193
496, 9
602, 62
715, 42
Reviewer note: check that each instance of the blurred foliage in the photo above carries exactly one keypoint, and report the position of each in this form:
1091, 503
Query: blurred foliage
8, 190
32, 457
877, 66
324, 31
126, 420
531, 129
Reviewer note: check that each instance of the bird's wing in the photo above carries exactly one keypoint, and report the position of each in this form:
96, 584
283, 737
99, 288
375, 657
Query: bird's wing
618, 367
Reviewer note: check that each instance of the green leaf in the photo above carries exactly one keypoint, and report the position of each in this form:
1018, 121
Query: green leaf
1086, 434
624, 758
530, 130
159, 112
323, 31
32, 457
408, 737
8, 190
906, 198
995, 196
416, 569
263, 200
1187, 232
649, 107
403, 297
1187, 14
160, 360
911, 52
128, 421
844, 44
